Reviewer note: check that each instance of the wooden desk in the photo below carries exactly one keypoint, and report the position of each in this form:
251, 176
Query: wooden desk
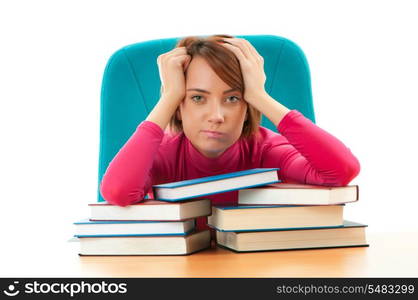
389, 255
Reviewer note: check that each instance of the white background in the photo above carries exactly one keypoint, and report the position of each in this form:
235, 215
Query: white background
363, 61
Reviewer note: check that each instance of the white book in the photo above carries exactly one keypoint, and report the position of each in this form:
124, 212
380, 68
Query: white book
145, 245
298, 194
351, 234
247, 218
180, 190
88, 228
151, 210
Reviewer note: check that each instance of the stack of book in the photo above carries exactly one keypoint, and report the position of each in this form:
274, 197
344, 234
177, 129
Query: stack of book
165, 225
270, 215
288, 216
150, 227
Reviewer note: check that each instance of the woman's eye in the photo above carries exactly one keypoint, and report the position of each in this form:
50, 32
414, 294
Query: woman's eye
199, 99
196, 98
233, 99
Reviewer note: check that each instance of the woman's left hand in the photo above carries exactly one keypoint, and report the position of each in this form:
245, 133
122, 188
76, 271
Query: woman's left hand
252, 67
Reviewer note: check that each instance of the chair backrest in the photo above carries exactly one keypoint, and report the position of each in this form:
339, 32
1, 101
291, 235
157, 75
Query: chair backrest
131, 87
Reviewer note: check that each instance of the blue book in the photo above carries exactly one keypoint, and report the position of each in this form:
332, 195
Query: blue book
186, 189
151, 210
275, 217
145, 245
89, 228
349, 234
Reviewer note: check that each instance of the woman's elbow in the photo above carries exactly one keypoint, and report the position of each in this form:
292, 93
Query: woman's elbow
116, 196
350, 171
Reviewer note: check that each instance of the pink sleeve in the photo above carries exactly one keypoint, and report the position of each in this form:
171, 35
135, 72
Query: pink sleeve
127, 178
310, 154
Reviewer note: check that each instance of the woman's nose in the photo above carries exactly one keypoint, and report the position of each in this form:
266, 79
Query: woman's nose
216, 114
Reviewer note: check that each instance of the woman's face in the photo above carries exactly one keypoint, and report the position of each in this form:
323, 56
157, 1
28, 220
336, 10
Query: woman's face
212, 115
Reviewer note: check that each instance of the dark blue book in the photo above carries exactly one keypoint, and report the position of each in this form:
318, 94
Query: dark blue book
151, 210
350, 234
186, 189
145, 245
274, 217
88, 228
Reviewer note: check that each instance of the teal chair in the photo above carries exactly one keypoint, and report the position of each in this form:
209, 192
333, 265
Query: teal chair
131, 87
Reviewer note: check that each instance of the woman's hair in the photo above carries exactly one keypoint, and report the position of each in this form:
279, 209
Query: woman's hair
225, 64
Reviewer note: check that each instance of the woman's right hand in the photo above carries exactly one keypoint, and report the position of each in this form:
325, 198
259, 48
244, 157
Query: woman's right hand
172, 66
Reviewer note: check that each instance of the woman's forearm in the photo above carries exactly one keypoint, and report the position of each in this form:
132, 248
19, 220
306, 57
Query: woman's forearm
163, 111
128, 176
325, 159
269, 107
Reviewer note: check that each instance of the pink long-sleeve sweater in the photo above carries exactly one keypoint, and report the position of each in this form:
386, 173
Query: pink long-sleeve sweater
304, 152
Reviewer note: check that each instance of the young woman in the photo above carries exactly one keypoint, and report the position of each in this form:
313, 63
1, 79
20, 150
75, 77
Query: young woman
207, 123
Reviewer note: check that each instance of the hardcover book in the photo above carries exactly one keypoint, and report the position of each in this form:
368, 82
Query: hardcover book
87, 228
145, 245
351, 234
151, 210
298, 194
249, 218
180, 190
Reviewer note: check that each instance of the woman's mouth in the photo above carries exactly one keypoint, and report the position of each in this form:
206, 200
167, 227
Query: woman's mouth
212, 134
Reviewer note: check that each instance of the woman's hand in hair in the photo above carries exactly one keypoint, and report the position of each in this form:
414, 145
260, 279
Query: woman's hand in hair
252, 67
171, 66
